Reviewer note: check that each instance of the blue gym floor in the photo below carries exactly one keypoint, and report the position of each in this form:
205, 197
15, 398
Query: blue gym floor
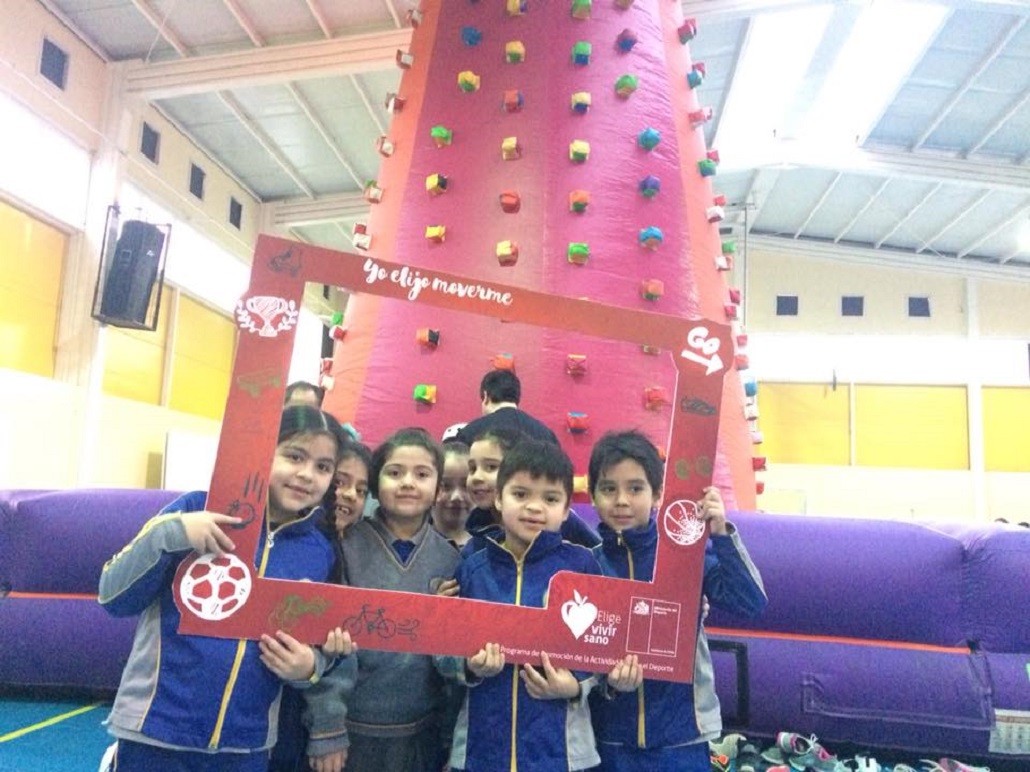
52, 736
67, 735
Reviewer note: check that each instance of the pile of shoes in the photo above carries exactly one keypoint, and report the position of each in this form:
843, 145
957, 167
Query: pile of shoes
793, 752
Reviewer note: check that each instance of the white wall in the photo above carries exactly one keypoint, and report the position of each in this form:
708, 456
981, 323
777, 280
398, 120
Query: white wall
806, 357
32, 156
42, 422
895, 494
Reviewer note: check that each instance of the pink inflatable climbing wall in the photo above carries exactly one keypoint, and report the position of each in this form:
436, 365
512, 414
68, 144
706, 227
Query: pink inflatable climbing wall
540, 118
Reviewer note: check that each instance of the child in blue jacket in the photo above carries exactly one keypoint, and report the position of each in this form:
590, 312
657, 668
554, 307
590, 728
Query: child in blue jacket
524, 718
654, 725
200, 703
486, 453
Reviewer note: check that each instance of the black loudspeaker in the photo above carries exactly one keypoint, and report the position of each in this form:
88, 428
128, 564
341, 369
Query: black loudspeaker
131, 275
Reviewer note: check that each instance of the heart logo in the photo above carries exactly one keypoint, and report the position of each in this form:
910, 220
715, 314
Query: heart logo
578, 614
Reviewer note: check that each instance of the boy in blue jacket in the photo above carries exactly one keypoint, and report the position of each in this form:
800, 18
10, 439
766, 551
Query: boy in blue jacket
486, 453
648, 724
524, 718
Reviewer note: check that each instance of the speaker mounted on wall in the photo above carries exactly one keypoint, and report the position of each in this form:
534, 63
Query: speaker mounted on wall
131, 274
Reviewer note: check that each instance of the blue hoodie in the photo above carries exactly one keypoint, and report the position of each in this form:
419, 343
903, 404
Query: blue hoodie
500, 726
482, 525
193, 692
666, 714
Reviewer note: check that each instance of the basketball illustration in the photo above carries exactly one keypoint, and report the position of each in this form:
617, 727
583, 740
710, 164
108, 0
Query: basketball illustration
682, 524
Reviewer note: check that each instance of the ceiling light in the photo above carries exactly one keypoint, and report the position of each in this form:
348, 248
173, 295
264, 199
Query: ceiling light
773, 63
887, 41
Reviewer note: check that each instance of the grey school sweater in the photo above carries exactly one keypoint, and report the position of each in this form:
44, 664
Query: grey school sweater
395, 694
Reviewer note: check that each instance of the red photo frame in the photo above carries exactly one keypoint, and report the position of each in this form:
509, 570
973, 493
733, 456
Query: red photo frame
590, 622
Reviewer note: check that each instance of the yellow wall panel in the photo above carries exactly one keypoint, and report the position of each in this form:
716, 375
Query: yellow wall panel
804, 423
31, 266
920, 427
199, 388
204, 335
133, 368
134, 361
205, 342
1006, 418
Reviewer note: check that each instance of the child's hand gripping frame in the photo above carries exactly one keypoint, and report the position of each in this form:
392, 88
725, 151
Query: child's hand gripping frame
589, 622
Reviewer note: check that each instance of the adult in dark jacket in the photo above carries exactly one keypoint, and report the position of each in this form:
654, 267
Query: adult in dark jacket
500, 392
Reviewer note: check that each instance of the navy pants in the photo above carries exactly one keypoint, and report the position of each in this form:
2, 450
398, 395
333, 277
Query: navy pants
684, 758
138, 757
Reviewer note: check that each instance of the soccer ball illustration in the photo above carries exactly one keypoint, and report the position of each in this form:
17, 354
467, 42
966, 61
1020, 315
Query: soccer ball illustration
215, 587
682, 523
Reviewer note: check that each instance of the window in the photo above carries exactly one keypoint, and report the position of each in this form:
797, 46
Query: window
53, 64
786, 305
919, 306
150, 142
852, 305
235, 213
197, 181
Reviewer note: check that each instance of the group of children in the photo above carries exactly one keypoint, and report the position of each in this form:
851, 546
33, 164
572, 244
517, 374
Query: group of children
490, 521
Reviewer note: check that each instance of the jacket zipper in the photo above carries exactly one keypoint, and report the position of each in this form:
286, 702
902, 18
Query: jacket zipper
641, 712
515, 669
241, 650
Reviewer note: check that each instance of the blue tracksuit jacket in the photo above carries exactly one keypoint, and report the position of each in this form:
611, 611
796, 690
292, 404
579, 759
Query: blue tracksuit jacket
194, 692
664, 714
500, 726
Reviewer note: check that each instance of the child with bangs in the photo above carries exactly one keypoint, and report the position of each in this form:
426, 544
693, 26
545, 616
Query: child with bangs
200, 703
351, 487
389, 717
347, 499
452, 506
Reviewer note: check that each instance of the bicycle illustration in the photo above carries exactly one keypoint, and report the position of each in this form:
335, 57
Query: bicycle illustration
377, 623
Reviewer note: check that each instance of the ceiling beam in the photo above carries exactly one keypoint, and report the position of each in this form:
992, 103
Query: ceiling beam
393, 13
967, 209
346, 233
263, 66
320, 17
986, 61
907, 217
323, 132
324, 25
727, 92
759, 187
244, 21
266, 142
1006, 224
880, 161
160, 23
819, 204
1016, 105
934, 168
1013, 254
61, 16
865, 208
885, 258
297, 212
736, 9
367, 103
